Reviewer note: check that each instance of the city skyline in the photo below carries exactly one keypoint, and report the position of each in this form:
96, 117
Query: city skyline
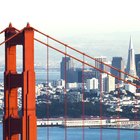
101, 51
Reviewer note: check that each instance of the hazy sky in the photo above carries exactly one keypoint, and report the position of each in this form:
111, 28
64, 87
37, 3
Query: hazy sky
99, 23
68, 15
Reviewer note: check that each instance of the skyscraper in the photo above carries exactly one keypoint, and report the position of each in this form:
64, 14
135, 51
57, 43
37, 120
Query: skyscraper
118, 63
110, 83
131, 68
137, 63
99, 65
66, 64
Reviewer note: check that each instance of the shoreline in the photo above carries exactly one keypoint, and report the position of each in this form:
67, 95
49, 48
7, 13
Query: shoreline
111, 128
91, 123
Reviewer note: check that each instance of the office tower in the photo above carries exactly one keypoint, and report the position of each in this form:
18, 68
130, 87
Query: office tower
110, 83
118, 63
98, 64
92, 84
78, 76
101, 66
102, 82
131, 68
137, 63
66, 64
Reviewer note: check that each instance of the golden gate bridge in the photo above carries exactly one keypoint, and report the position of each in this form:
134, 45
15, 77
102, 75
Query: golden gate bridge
24, 127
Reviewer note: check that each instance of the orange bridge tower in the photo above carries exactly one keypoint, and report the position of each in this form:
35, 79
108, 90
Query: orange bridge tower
21, 127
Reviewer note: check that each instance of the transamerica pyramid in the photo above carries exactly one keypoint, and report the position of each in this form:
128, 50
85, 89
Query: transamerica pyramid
131, 68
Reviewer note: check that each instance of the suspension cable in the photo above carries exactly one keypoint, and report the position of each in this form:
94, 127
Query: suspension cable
101, 97
83, 103
118, 106
86, 63
47, 88
101, 62
72, 49
3, 31
65, 92
11, 37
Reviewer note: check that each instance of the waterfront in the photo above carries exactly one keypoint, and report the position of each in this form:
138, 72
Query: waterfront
56, 133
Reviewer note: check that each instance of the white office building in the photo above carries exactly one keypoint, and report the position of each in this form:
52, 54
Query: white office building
110, 83
92, 84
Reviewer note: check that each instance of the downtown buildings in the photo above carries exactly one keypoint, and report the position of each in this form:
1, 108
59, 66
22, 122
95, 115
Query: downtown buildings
97, 80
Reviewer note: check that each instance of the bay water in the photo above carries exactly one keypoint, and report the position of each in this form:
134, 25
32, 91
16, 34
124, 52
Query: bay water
57, 133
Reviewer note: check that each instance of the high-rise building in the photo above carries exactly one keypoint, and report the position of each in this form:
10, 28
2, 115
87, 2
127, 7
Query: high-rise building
102, 82
66, 68
92, 84
137, 63
118, 63
98, 64
101, 66
110, 83
131, 68
68, 72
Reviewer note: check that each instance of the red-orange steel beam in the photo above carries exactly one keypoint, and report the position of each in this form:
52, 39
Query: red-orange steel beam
85, 54
85, 62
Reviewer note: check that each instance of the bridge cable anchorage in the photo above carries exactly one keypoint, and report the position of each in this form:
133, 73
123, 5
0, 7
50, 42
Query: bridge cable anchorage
83, 103
65, 92
47, 88
101, 62
87, 64
101, 98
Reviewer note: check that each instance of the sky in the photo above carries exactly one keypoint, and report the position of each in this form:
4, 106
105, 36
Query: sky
102, 24
68, 15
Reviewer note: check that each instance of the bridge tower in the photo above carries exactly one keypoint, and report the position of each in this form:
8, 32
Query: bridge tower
21, 127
